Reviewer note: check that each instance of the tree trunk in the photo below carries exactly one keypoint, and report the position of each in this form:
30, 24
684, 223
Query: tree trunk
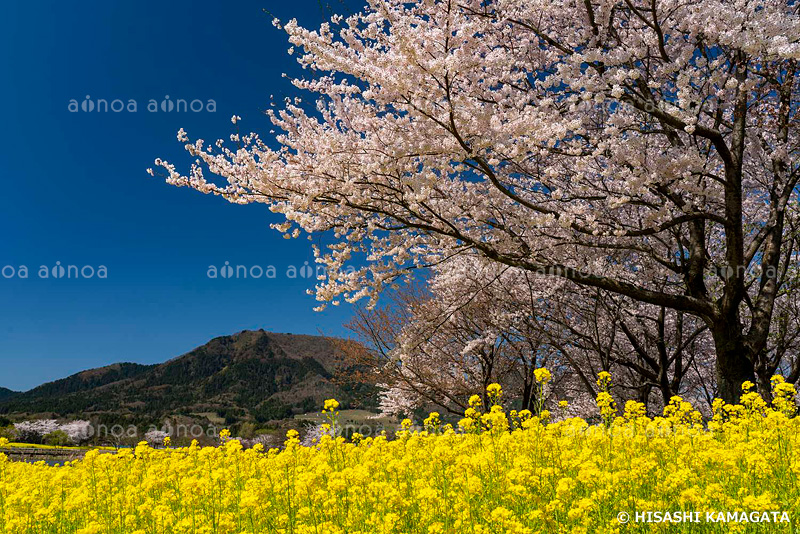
527, 396
643, 393
733, 367
765, 387
663, 387
764, 373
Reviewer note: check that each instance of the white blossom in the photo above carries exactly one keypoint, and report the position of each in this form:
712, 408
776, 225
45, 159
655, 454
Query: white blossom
443, 131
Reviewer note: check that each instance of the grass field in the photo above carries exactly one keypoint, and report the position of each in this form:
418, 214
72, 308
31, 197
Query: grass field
349, 416
16, 445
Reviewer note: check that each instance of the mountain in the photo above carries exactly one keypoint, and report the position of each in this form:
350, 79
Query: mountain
6, 394
252, 375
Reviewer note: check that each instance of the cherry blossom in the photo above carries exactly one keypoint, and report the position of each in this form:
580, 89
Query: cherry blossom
644, 149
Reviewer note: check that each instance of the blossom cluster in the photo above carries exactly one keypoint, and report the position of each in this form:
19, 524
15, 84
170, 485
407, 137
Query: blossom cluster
36, 430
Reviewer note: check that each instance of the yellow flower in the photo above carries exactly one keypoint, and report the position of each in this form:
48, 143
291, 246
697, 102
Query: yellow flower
494, 391
570, 476
634, 410
432, 422
467, 423
607, 405
542, 375
331, 405
604, 379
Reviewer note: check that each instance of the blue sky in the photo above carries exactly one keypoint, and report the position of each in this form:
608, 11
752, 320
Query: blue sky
76, 191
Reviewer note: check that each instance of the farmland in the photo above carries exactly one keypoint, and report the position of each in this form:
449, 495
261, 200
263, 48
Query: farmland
496, 471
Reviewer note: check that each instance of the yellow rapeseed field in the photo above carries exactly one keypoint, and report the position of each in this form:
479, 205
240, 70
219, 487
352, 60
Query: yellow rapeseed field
493, 473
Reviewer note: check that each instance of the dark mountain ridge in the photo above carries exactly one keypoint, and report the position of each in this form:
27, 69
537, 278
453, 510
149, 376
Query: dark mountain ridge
252, 375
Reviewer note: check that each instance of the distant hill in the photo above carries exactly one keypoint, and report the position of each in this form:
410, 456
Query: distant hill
252, 375
6, 393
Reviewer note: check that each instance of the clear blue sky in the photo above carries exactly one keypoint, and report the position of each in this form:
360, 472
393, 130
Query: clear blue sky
75, 189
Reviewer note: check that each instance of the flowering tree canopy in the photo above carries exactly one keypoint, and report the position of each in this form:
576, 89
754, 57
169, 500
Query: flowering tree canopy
644, 148
37, 430
475, 324
479, 322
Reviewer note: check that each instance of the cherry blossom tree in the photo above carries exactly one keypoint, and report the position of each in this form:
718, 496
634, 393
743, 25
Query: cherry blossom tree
155, 437
78, 431
644, 148
475, 323
479, 322
649, 350
782, 353
35, 431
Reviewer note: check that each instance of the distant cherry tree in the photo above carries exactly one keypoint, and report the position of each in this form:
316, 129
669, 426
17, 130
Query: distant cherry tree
35, 431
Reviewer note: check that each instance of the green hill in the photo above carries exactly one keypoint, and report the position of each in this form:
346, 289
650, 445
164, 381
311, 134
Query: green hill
252, 375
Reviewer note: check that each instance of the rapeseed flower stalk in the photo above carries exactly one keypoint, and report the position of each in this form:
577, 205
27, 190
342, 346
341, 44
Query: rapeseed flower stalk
541, 376
605, 402
493, 393
475, 401
433, 423
506, 473
332, 416
783, 396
